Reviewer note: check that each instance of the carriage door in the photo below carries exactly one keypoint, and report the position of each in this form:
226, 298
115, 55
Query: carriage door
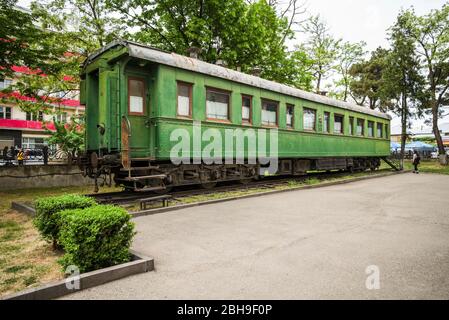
138, 117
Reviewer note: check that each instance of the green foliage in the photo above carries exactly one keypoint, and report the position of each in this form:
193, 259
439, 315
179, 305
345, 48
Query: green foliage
47, 209
402, 82
322, 49
430, 34
86, 25
69, 137
51, 57
348, 55
24, 43
367, 79
242, 34
95, 237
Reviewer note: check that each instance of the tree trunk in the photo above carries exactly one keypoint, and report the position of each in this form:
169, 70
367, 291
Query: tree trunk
436, 130
345, 96
404, 113
318, 83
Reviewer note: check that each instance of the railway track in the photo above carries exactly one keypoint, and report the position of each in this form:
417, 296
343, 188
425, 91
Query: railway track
268, 183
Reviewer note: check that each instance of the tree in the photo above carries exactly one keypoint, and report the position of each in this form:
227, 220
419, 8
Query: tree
321, 48
23, 43
431, 33
48, 66
86, 25
348, 55
402, 81
71, 29
243, 35
367, 80
69, 137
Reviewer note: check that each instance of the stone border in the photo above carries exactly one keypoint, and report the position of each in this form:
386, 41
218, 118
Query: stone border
259, 194
22, 207
139, 264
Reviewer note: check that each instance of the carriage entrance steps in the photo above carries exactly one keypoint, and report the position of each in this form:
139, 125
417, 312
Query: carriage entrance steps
394, 163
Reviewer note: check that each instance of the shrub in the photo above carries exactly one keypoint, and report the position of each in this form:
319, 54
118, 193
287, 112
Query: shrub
46, 219
95, 237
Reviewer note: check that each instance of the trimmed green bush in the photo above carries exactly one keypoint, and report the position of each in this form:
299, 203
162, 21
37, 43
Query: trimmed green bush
95, 237
46, 219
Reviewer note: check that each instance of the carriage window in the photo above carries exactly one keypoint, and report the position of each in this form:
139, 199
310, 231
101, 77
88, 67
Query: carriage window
338, 124
289, 115
326, 127
370, 129
379, 130
217, 105
386, 131
246, 109
360, 127
351, 126
136, 96
184, 99
309, 119
269, 113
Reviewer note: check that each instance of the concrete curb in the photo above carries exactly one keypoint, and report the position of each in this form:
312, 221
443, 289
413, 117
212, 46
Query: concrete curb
259, 194
139, 264
21, 207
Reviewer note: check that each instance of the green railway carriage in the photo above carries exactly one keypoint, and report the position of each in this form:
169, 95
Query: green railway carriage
137, 97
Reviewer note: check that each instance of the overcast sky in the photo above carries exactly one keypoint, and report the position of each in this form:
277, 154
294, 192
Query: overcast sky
368, 20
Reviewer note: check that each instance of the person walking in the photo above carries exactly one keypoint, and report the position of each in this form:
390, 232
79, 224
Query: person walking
416, 161
20, 157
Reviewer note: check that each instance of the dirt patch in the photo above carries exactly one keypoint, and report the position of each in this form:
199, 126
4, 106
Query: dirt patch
25, 259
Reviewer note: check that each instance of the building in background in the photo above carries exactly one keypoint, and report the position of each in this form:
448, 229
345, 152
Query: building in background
422, 131
25, 129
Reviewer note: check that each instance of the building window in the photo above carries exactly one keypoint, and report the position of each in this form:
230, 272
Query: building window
62, 117
136, 96
269, 113
379, 130
246, 109
60, 94
184, 108
289, 115
35, 116
351, 126
32, 143
217, 104
370, 129
5, 83
309, 119
338, 124
5, 112
326, 126
360, 127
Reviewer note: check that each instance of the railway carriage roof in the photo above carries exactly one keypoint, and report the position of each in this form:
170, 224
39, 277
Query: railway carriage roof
141, 51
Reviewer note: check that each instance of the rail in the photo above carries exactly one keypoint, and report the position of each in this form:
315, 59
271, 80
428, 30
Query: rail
267, 183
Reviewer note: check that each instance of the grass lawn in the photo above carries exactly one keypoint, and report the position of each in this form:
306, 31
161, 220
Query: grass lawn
428, 166
25, 259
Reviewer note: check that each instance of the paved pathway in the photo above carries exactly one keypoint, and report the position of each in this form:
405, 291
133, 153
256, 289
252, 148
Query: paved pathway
304, 244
